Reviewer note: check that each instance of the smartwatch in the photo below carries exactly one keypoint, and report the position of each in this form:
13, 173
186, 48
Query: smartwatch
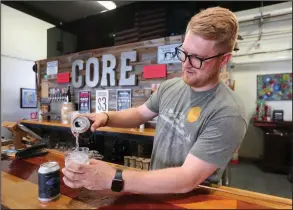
117, 183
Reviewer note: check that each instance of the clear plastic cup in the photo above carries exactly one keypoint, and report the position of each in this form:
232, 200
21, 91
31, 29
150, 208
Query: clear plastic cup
84, 149
80, 156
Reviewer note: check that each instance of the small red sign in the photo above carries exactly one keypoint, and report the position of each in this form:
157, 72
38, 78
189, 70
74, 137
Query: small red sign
63, 77
155, 71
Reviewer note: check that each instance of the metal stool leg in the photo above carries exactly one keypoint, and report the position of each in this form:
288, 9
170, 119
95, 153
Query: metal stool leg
226, 176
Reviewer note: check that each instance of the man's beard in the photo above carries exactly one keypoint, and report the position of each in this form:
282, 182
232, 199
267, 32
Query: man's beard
202, 81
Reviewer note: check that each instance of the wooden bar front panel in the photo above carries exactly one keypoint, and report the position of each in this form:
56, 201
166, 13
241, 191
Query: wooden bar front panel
19, 190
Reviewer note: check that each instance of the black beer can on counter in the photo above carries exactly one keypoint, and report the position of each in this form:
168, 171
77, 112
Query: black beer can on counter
82, 126
49, 181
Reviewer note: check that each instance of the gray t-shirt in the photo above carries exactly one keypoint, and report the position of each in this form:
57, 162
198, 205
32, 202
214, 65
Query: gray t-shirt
209, 124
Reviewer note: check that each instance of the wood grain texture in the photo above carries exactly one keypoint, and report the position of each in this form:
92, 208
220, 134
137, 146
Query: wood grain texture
29, 200
12, 175
134, 131
262, 199
20, 175
146, 55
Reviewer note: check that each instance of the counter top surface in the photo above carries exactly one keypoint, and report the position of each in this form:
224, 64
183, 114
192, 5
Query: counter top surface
20, 190
273, 124
134, 131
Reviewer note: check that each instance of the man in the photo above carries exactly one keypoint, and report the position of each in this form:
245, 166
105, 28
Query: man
201, 121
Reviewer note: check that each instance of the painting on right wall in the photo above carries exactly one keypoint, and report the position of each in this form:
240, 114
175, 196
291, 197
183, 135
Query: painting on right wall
274, 87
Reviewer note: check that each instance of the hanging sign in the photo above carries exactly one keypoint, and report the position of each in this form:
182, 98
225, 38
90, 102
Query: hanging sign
84, 105
52, 67
123, 99
102, 100
166, 54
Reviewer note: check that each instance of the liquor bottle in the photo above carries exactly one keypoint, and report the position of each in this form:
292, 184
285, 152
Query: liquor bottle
261, 111
68, 94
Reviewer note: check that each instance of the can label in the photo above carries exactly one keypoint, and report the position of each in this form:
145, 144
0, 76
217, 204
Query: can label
49, 184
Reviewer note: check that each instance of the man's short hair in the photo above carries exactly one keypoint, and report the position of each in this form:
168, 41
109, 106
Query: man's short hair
217, 24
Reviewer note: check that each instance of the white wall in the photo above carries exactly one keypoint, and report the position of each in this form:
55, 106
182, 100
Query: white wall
245, 77
24, 40
12, 79
272, 55
22, 35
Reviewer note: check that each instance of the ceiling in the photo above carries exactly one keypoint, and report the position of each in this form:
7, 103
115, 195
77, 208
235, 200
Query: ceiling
60, 11
65, 12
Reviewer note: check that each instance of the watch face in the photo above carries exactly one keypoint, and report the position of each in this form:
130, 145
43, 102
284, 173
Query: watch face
117, 185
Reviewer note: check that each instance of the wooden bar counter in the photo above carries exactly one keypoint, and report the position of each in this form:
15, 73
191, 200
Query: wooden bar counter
20, 190
133, 131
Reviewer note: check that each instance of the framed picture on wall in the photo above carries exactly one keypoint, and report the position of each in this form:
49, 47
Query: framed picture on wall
28, 98
102, 101
166, 54
84, 105
123, 100
274, 87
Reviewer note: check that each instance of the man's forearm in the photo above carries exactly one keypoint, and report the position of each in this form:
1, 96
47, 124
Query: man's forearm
128, 118
171, 180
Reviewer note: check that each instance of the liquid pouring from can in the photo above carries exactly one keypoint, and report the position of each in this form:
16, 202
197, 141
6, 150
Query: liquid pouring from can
81, 128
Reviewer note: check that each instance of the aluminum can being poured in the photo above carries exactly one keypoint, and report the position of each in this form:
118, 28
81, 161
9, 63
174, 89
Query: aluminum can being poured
82, 126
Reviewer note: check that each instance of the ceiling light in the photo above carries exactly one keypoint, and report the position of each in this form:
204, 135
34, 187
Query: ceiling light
109, 5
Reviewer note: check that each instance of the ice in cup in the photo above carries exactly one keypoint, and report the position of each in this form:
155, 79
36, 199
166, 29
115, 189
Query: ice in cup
80, 156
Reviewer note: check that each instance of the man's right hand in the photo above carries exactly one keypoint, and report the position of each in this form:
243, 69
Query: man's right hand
98, 119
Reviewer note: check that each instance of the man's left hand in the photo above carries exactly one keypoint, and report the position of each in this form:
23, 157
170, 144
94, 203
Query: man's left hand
97, 175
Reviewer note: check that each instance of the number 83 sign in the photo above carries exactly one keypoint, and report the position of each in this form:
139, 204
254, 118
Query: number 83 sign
102, 100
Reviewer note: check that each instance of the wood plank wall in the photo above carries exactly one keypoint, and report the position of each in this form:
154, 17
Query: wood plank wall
146, 54
149, 24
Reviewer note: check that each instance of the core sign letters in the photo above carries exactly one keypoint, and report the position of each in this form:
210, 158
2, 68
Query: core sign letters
93, 78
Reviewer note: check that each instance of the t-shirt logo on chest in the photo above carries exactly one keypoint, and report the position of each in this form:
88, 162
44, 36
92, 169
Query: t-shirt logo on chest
193, 114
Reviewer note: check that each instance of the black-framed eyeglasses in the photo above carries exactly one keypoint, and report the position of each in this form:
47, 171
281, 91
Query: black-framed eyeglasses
194, 60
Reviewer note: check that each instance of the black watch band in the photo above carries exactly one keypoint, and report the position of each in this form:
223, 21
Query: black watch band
117, 183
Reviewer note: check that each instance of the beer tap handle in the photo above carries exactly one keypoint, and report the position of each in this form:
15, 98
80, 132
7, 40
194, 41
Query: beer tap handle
54, 94
59, 94
49, 97
63, 94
